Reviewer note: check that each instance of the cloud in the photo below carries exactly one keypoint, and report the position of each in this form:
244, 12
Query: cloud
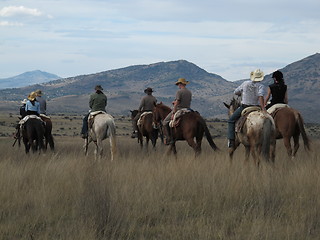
12, 11
6, 23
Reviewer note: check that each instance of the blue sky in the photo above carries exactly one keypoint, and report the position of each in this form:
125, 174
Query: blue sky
226, 37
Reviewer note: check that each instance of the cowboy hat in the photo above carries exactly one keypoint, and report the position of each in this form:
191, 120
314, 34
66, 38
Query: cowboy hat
182, 81
148, 90
24, 101
98, 87
32, 96
38, 92
256, 75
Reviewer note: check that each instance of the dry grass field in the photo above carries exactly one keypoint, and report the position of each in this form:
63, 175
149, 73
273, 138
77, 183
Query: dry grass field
149, 195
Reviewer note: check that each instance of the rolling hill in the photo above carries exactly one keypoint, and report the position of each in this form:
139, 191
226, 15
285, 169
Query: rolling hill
124, 88
26, 79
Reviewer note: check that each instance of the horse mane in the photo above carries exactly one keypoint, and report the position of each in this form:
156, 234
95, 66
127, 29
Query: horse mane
235, 103
163, 106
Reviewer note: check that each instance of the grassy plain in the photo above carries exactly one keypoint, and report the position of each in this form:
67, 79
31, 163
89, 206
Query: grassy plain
149, 195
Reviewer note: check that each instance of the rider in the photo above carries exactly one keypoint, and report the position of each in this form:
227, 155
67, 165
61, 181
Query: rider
252, 92
278, 90
97, 102
23, 113
42, 102
147, 104
32, 106
182, 100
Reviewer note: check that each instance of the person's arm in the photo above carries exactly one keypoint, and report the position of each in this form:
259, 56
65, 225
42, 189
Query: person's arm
267, 97
286, 97
91, 101
238, 90
261, 101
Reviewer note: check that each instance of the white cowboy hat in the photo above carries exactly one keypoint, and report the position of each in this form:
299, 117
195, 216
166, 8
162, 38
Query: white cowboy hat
256, 75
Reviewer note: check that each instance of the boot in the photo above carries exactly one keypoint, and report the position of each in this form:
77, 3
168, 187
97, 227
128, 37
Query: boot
231, 143
168, 135
134, 134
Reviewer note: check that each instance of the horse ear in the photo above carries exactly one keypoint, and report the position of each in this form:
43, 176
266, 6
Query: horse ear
131, 111
227, 106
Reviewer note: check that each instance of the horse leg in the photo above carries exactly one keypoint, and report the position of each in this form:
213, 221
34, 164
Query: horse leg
287, 144
296, 144
247, 153
99, 149
194, 146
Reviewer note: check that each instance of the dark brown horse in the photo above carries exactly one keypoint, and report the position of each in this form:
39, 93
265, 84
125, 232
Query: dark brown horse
289, 124
191, 126
48, 132
146, 128
32, 135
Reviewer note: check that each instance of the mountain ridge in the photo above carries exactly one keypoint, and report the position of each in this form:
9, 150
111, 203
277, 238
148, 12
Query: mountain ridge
27, 78
124, 88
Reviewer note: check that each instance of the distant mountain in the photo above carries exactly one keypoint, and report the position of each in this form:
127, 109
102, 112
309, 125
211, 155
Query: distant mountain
124, 88
26, 79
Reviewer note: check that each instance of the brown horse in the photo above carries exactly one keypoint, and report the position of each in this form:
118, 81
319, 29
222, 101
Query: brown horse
146, 129
289, 124
48, 132
191, 126
32, 135
257, 134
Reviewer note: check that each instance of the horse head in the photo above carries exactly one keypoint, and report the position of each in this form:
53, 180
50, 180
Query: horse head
134, 113
234, 104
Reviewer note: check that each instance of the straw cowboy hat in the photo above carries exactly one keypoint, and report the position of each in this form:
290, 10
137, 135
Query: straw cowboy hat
38, 92
257, 75
32, 96
182, 81
148, 90
98, 87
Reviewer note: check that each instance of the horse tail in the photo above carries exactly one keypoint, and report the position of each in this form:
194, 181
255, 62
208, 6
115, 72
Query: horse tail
305, 138
39, 131
111, 132
268, 126
208, 135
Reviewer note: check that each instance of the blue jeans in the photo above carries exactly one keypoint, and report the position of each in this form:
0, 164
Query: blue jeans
232, 122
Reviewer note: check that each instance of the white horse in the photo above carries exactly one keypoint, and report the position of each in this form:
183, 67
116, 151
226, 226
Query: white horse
103, 126
258, 134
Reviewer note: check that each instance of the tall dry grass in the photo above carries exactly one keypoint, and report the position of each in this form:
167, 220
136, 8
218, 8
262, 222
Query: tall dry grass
147, 195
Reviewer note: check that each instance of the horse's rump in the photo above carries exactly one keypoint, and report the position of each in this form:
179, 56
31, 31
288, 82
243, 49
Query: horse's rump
177, 117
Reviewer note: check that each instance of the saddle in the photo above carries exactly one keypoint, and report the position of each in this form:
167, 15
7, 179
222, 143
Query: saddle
177, 117
244, 114
91, 117
139, 122
275, 108
44, 116
26, 118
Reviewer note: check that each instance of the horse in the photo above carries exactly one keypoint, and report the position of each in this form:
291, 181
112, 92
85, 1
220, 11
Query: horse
48, 132
32, 135
146, 128
258, 135
103, 126
191, 126
289, 124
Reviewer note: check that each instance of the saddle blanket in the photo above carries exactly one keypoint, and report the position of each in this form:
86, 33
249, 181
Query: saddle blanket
92, 114
273, 108
23, 120
176, 117
139, 122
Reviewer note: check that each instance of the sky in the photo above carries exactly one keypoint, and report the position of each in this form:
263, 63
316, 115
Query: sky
225, 37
